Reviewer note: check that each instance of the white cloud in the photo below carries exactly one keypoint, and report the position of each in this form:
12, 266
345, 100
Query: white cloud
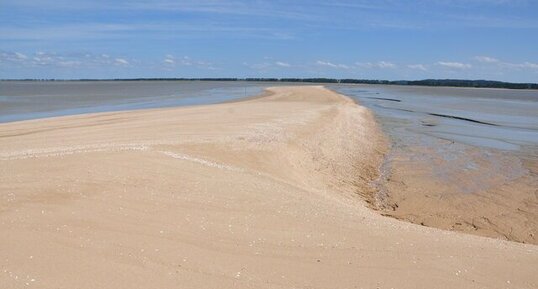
530, 65
20, 55
14, 57
282, 64
364, 64
418, 67
43, 58
526, 64
502, 64
185, 60
380, 64
171, 61
69, 63
170, 29
258, 66
323, 63
330, 64
52, 59
385, 64
454, 65
121, 61
486, 59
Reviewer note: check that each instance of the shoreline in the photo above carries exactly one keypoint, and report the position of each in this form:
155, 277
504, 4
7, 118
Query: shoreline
251, 194
380, 198
454, 185
408, 190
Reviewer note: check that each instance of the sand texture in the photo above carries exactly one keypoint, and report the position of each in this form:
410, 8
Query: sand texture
255, 194
495, 199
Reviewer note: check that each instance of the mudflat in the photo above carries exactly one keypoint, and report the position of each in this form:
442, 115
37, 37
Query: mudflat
261, 193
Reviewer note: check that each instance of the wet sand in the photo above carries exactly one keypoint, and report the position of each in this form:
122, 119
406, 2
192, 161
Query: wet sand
254, 194
475, 190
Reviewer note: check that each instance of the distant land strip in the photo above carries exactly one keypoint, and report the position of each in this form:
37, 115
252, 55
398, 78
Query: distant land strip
425, 82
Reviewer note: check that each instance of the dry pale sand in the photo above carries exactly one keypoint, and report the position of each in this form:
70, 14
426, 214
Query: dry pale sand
254, 194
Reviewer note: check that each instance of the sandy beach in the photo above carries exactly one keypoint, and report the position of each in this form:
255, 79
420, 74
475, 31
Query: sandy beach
261, 193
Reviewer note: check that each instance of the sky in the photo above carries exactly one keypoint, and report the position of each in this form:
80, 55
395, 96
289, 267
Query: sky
384, 39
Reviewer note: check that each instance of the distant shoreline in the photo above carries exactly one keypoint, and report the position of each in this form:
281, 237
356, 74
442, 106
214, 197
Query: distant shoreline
426, 82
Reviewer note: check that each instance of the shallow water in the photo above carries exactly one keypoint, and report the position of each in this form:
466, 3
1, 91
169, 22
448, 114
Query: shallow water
23, 100
441, 126
493, 118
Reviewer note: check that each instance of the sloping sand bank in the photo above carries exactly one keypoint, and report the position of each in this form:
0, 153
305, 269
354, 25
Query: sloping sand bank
254, 194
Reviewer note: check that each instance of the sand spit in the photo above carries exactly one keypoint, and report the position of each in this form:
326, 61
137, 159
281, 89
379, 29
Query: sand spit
254, 194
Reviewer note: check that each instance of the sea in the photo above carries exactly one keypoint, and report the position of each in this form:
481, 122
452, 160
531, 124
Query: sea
25, 100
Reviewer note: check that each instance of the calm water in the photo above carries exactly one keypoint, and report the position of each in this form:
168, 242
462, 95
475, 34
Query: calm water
493, 118
23, 100
464, 140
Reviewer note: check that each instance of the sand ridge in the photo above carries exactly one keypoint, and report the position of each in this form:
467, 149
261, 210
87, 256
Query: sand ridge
254, 194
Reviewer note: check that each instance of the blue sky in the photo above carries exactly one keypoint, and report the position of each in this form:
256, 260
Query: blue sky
385, 39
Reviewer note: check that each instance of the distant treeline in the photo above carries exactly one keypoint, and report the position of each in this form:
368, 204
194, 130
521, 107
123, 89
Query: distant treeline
468, 83
425, 82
